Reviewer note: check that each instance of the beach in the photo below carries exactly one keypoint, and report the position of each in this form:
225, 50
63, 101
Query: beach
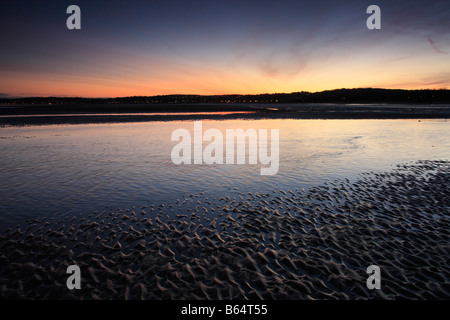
26, 115
286, 244
202, 154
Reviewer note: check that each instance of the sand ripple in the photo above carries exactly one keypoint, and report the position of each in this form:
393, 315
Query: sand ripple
289, 244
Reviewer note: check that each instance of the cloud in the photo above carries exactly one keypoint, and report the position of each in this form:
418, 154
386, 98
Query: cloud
435, 48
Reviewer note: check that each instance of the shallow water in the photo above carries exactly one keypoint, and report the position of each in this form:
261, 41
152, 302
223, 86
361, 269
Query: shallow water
69, 169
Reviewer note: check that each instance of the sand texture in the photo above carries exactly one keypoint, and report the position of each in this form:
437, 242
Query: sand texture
287, 244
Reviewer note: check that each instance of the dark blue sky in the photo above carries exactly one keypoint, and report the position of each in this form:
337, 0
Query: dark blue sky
215, 47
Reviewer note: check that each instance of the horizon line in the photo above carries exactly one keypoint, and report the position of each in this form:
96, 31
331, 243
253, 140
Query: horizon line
6, 96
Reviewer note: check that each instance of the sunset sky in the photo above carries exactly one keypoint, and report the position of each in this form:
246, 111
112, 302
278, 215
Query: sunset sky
128, 48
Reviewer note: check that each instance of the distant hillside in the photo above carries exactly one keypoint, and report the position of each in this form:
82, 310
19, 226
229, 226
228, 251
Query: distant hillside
364, 95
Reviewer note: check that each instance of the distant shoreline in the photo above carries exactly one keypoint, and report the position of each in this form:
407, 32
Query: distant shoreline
25, 115
355, 95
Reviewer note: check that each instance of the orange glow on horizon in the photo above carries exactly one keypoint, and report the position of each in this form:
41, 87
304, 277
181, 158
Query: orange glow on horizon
194, 78
222, 48
46, 88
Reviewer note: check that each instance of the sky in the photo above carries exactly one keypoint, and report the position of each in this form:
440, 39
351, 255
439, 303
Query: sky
144, 48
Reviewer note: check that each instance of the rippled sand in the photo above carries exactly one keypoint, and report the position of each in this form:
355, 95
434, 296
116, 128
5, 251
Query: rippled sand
288, 244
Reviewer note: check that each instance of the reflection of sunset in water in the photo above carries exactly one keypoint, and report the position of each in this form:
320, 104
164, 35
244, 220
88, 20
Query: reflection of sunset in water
80, 168
218, 113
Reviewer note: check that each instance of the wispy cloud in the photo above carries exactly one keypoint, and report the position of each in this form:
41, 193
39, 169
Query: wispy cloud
435, 48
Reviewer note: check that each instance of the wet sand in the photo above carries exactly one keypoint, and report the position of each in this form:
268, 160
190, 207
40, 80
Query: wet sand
25, 115
288, 244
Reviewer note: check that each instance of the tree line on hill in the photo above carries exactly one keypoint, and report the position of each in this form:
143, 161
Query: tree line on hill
363, 95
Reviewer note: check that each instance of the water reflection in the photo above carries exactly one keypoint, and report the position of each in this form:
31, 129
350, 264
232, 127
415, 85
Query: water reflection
85, 168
